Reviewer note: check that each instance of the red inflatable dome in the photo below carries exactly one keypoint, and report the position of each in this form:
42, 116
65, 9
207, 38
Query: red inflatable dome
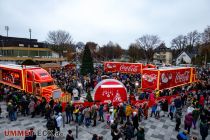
110, 90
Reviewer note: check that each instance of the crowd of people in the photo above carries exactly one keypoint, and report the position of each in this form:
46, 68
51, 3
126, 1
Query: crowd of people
125, 119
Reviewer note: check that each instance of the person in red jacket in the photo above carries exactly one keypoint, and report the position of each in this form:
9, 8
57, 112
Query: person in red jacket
188, 122
201, 101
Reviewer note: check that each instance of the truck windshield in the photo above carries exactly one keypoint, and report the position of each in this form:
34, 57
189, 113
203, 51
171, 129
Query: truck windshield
45, 84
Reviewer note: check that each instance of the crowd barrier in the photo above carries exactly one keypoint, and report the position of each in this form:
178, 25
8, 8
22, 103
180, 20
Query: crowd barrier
136, 103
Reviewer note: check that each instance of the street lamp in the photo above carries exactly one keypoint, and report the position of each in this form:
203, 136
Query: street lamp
7, 29
30, 32
30, 40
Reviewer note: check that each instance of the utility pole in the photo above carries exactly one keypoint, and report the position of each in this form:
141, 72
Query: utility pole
7, 29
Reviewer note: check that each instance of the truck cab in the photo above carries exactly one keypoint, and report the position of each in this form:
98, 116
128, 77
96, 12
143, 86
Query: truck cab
39, 82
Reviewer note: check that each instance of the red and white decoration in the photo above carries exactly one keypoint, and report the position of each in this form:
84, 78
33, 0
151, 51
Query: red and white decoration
110, 90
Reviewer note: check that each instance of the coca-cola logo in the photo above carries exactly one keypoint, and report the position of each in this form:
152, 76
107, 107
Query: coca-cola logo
131, 68
182, 77
149, 77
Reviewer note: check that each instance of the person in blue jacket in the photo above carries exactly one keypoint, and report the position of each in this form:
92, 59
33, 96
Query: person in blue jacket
183, 135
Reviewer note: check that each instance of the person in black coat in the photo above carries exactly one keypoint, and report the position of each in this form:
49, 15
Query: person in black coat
165, 107
69, 136
116, 135
135, 121
51, 127
32, 135
204, 129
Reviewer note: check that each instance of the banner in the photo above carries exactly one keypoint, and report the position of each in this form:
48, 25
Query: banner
133, 68
174, 77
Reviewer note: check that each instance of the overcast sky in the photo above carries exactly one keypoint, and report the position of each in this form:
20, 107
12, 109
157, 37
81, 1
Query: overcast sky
101, 21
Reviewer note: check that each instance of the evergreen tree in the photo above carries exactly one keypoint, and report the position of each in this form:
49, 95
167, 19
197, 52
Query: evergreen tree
87, 61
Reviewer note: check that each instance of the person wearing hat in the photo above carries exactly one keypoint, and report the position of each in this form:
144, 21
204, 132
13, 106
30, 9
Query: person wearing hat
140, 134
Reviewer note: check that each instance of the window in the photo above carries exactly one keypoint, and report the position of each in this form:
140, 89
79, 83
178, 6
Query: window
45, 84
43, 74
36, 46
21, 45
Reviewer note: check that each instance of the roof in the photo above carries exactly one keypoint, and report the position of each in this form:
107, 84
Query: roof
19, 67
162, 48
167, 68
191, 55
16, 41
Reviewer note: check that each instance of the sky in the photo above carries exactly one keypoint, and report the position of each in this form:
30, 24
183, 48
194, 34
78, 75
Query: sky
101, 21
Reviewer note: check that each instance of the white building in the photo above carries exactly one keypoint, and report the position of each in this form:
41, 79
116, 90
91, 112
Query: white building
184, 57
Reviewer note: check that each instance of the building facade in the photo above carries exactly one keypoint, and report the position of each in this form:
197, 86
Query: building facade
17, 50
184, 58
162, 54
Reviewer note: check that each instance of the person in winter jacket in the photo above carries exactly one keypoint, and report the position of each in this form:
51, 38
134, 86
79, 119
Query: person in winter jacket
67, 110
172, 110
121, 113
101, 112
145, 109
59, 121
116, 135
154, 107
140, 134
195, 115
69, 136
31, 107
178, 116
157, 114
129, 131
94, 114
128, 111
135, 121
204, 129
165, 107
32, 136
51, 127
201, 101
188, 122
182, 135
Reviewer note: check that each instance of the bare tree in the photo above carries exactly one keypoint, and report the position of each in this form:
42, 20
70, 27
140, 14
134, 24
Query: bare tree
148, 43
60, 41
193, 38
206, 35
179, 43
59, 37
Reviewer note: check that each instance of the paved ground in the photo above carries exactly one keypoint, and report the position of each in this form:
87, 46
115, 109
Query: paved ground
162, 129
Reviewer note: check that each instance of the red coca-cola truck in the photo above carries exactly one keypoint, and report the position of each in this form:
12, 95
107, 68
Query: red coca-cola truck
33, 80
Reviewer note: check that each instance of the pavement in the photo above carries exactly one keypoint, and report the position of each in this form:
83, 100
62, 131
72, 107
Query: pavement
162, 129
